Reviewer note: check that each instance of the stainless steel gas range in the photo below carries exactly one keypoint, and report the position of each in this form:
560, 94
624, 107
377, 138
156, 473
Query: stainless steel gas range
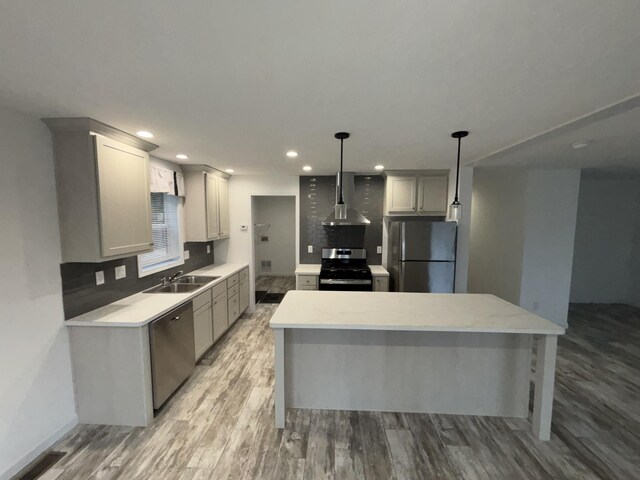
345, 269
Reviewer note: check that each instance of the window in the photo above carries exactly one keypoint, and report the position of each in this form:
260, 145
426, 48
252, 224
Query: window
165, 227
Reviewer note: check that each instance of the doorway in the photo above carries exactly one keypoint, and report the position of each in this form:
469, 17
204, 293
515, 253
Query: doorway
274, 242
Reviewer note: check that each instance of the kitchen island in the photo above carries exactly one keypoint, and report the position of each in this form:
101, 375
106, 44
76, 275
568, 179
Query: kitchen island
466, 354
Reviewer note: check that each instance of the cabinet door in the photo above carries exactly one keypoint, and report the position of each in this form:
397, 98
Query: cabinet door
234, 308
223, 204
123, 197
202, 329
380, 284
244, 294
220, 315
401, 194
432, 195
211, 200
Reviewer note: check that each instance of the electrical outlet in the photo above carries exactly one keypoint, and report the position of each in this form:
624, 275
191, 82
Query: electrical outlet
208, 248
100, 277
535, 306
186, 254
121, 272
379, 249
309, 248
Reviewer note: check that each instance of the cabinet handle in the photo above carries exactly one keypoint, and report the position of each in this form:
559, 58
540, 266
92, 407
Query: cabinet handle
175, 319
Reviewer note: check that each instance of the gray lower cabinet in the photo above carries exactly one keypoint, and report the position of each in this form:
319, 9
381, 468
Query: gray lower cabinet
243, 294
220, 316
234, 308
203, 329
380, 284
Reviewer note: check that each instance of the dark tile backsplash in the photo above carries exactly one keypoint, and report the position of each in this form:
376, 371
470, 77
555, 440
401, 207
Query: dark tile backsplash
317, 199
80, 294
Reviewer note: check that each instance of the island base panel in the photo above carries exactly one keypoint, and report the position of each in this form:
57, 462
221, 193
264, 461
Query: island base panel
428, 372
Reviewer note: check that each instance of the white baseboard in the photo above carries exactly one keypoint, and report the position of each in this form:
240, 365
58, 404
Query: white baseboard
39, 449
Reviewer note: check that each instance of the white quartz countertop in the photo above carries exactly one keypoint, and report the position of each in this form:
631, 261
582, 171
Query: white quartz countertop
139, 309
314, 269
437, 312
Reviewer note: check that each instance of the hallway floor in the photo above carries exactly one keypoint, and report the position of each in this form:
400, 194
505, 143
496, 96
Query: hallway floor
220, 424
272, 289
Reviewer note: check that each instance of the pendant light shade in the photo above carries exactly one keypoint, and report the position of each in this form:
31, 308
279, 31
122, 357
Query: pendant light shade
455, 209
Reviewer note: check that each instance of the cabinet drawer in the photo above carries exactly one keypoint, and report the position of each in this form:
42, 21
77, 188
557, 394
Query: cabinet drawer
307, 287
219, 289
244, 273
201, 300
380, 284
307, 281
232, 280
232, 290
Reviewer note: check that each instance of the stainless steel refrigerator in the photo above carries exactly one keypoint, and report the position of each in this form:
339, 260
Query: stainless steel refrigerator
422, 256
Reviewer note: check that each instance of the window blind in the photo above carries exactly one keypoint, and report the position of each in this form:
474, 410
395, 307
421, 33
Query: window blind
165, 231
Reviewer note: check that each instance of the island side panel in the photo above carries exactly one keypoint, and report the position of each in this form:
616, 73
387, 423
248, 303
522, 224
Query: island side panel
112, 375
429, 372
279, 366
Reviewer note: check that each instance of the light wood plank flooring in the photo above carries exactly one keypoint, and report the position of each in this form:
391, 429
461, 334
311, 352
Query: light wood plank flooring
221, 426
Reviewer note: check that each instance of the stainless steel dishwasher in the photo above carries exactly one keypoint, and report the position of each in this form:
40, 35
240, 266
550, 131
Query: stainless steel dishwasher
172, 352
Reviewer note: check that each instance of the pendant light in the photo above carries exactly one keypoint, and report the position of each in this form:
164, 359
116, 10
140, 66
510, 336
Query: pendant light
341, 207
342, 214
455, 209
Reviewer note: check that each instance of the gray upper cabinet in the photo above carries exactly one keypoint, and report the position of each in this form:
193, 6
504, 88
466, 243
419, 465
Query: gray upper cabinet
223, 206
102, 179
416, 192
212, 210
206, 204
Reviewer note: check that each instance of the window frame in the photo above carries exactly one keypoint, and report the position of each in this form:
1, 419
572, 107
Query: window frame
166, 264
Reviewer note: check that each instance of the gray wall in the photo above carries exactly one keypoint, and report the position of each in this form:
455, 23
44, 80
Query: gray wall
317, 199
275, 238
607, 256
80, 293
522, 235
36, 389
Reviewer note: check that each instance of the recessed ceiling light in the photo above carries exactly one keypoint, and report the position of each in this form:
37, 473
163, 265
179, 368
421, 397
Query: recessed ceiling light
579, 145
182, 156
306, 168
379, 167
292, 154
144, 134
229, 170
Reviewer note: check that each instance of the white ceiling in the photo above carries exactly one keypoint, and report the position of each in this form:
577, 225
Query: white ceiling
238, 83
611, 135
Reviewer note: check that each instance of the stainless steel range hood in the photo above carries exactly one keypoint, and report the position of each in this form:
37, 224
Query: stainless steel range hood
353, 217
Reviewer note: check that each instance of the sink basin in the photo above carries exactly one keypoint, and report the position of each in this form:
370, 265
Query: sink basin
174, 288
201, 279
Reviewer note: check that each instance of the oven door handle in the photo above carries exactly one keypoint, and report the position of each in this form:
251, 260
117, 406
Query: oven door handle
333, 281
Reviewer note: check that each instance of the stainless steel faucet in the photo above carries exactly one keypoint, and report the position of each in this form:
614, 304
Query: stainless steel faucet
171, 278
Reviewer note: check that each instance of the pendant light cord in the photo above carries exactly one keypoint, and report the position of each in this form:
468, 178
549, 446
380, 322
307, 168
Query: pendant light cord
340, 202
458, 168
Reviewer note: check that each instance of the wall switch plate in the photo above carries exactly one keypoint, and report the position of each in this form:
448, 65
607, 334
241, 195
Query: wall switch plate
100, 277
244, 228
186, 254
208, 248
379, 249
309, 248
121, 272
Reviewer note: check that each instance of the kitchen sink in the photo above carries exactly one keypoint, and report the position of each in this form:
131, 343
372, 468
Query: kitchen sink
201, 279
174, 288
